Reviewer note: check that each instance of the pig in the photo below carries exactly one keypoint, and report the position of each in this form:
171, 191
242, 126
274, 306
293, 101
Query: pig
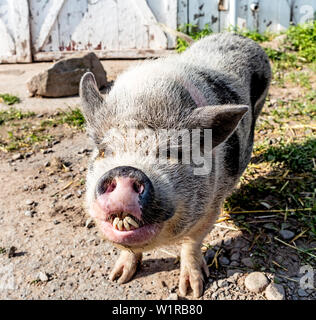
138, 202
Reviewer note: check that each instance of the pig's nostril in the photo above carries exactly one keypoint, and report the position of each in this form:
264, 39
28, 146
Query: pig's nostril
111, 186
138, 187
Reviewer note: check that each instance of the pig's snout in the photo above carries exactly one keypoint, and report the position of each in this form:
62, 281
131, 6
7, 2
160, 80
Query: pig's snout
124, 190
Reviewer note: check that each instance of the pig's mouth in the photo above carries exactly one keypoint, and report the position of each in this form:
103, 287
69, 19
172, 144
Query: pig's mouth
125, 229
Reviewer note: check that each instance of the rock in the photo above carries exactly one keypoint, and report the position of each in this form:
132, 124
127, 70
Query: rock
62, 79
256, 282
17, 156
29, 202
209, 255
287, 234
28, 213
223, 260
247, 262
222, 283
302, 293
231, 272
67, 196
43, 277
235, 256
172, 296
275, 291
11, 252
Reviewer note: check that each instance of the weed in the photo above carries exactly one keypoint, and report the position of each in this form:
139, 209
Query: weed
194, 32
9, 99
14, 114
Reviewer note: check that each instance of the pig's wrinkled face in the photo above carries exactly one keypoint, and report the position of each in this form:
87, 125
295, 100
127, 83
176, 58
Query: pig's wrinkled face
137, 200
129, 193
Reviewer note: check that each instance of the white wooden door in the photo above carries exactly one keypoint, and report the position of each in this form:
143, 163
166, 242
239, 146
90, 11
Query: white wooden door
260, 15
112, 28
14, 32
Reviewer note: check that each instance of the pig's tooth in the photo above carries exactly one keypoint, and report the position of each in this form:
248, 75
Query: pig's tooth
115, 222
124, 214
126, 225
132, 222
120, 225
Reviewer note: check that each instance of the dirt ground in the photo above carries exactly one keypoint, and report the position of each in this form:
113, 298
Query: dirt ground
50, 249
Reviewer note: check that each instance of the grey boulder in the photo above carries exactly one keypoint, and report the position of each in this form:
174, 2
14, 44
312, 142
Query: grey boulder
63, 78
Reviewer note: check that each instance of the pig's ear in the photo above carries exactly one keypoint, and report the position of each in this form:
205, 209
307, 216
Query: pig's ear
91, 99
222, 119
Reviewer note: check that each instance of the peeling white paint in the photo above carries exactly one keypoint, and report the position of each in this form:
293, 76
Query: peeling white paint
128, 28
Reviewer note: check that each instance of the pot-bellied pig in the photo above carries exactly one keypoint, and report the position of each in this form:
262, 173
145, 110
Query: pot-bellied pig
172, 138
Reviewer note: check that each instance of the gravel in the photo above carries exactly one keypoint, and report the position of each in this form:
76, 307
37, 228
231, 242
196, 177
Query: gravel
256, 282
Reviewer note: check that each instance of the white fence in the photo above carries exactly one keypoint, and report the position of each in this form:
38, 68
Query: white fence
44, 30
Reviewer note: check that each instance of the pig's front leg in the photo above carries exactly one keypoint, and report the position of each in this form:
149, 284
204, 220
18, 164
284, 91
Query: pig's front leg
192, 267
125, 267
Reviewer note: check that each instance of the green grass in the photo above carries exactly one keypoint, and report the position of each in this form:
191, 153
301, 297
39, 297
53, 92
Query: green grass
9, 99
298, 157
14, 114
194, 32
302, 39
72, 117
300, 78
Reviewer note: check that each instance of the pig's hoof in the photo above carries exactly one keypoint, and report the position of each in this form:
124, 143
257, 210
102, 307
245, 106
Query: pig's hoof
125, 267
192, 275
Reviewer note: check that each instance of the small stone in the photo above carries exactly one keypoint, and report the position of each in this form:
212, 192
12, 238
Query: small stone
89, 223
28, 154
209, 255
231, 272
47, 164
56, 222
270, 226
67, 196
29, 202
234, 264
46, 151
17, 156
275, 291
247, 262
173, 296
43, 277
222, 283
79, 193
223, 260
25, 188
28, 213
256, 282
11, 252
287, 234
302, 293
235, 256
